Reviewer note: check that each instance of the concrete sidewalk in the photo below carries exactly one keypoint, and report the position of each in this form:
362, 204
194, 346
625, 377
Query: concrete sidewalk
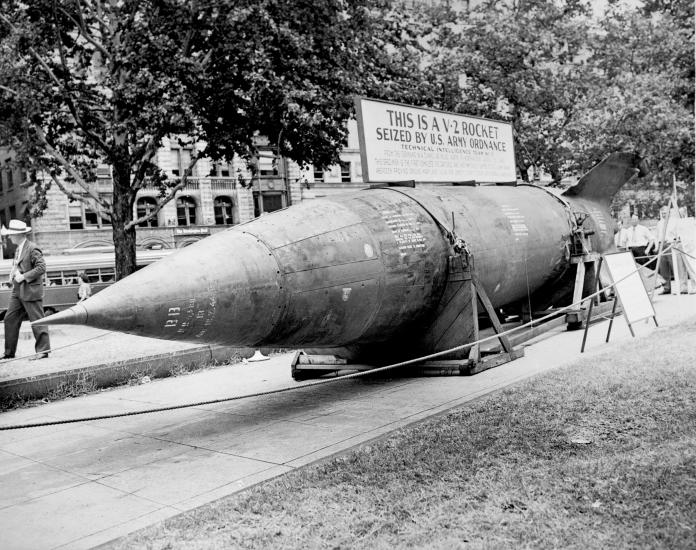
80, 485
89, 358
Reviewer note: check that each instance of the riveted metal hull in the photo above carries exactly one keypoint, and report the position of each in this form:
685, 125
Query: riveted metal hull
354, 272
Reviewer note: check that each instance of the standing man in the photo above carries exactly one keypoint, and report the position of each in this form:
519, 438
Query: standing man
637, 239
26, 278
666, 235
620, 235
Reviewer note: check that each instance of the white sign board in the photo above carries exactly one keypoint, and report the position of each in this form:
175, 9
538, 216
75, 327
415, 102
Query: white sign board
399, 142
629, 287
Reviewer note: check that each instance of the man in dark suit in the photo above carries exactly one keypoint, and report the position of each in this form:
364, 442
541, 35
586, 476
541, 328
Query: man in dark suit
26, 278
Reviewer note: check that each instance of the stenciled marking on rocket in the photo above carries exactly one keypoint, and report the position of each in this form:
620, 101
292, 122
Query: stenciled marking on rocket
517, 221
406, 230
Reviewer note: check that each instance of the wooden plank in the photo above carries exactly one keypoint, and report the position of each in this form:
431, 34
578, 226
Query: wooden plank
446, 363
493, 316
579, 283
318, 367
495, 361
307, 359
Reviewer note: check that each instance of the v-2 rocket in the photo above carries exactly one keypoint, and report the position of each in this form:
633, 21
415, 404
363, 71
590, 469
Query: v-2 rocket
364, 275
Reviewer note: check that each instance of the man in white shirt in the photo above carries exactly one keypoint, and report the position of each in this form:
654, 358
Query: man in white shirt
621, 227
637, 238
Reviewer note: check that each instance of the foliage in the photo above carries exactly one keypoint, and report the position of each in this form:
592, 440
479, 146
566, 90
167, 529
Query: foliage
642, 93
576, 85
516, 61
83, 83
90, 82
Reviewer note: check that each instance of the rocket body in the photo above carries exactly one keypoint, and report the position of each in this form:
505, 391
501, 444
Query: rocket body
355, 272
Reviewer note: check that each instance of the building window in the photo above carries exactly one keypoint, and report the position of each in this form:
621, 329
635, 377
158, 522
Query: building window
75, 216
182, 160
104, 171
272, 202
13, 212
2, 185
91, 217
268, 165
88, 215
318, 174
221, 170
186, 211
10, 178
144, 207
345, 172
222, 207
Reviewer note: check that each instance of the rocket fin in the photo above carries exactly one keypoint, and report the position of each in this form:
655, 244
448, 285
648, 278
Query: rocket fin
603, 181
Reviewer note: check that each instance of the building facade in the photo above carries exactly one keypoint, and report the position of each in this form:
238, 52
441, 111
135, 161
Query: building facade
215, 197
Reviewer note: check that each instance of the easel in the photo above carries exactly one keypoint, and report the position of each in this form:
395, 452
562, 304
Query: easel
595, 288
630, 284
460, 311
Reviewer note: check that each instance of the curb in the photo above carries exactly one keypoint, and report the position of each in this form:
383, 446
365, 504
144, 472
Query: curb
74, 381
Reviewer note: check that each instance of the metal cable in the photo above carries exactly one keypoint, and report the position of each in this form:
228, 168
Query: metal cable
683, 252
12, 359
326, 380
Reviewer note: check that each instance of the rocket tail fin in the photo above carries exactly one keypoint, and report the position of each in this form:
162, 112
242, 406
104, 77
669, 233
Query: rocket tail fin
603, 181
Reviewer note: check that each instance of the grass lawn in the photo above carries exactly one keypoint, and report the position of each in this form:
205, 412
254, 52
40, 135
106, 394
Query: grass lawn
596, 455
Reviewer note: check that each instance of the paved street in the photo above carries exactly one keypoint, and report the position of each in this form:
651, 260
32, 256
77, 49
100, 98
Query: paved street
79, 485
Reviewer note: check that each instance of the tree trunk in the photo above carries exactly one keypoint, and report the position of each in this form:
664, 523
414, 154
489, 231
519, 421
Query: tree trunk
556, 175
121, 214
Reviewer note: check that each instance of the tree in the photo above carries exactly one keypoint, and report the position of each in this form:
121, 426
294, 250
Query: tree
515, 60
84, 82
642, 99
576, 85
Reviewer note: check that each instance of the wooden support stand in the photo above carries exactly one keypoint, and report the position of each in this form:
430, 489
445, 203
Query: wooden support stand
478, 359
587, 272
304, 366
455, 318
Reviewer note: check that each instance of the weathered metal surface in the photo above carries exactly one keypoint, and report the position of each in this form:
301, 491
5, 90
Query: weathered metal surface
366, 273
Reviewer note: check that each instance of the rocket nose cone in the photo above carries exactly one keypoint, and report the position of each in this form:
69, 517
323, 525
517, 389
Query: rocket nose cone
225, 289
76, 315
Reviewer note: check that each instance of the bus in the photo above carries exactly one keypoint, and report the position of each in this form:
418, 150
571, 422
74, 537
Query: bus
61, 278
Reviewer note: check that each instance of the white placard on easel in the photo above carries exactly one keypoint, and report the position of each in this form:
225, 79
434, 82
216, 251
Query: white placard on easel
629, 289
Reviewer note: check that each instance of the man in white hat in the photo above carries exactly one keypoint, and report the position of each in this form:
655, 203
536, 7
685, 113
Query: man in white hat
26, 278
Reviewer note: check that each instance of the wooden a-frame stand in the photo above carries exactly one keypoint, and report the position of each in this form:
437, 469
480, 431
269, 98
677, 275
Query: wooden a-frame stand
464, 286
455, 318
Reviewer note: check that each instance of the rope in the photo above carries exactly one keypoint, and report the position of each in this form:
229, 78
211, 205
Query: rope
673, 247
683, 252
327, 380
6, 361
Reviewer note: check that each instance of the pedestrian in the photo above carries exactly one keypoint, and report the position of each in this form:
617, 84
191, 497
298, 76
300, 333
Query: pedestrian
26, 298
638, 239
666, 235
619, 236
85, 289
